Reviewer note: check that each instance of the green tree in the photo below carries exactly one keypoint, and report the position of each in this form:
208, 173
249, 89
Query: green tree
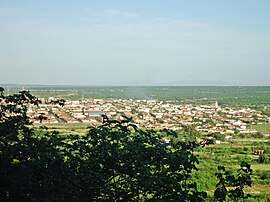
132, 164
41, 117
31, 165
264, 158
1, 90
232, 186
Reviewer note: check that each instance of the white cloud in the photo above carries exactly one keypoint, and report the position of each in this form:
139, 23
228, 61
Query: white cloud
107, 15
116, 13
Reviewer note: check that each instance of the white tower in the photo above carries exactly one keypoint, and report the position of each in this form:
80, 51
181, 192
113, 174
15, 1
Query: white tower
216, 104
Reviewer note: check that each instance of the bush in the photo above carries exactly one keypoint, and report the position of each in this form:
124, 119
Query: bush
264, 158
232, 185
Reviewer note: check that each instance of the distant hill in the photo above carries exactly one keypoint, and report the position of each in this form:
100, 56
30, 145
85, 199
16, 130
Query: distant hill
201, 83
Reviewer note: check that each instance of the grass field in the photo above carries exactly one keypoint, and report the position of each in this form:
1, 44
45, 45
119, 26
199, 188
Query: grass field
259, 189
261, 167
263, 128
67, 128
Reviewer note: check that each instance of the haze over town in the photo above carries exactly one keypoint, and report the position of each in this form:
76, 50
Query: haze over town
119, 42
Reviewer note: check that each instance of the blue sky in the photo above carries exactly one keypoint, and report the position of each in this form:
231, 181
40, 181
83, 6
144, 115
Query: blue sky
135, 42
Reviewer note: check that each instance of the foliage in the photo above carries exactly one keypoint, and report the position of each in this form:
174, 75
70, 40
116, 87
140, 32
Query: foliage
263, 176
257, 135
13, 114
204, 176
264, 158
29, 164
113, 162
231, 185
61, 102
218, 136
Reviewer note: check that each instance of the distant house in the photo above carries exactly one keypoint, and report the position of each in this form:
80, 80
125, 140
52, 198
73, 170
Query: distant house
258, 151
267, 135
229, 137
96, 113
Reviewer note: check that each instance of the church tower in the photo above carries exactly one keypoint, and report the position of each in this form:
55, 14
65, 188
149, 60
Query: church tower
216, 105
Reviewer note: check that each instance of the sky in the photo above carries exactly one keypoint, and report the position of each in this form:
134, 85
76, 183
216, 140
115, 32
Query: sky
135, 42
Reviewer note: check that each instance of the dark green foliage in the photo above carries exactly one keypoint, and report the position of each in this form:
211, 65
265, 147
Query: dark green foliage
2, 90
263, 176
41, 117
60, 102
30, 164
218, 136
113, 162
13, 114
231, 185
257, 135
136, 164
264, 158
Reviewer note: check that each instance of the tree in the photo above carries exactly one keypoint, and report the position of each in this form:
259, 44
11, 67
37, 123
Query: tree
60, 102
41, 117
264, 158
1, 90
135, 164
31, 164
231, 185
13, 113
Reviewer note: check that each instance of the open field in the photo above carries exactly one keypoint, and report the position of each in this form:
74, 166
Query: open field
259, 189
265, 167
261, 167
67, 128
263, 128
229, 95
231, 155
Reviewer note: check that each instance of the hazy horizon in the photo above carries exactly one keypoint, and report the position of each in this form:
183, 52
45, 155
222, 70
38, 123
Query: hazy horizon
195, 84
135, 43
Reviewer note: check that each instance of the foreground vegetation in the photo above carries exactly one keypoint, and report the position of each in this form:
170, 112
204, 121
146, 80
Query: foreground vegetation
119, 162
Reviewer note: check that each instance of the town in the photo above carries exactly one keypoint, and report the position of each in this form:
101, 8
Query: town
151, 114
